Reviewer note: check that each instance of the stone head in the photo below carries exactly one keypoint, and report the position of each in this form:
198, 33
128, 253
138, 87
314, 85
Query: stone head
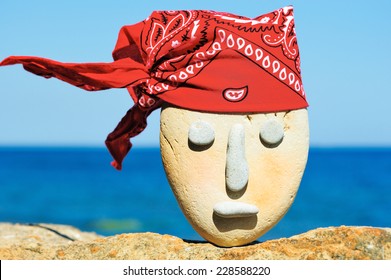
234, 175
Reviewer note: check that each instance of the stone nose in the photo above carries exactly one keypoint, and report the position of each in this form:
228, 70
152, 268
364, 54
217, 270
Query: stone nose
236, 168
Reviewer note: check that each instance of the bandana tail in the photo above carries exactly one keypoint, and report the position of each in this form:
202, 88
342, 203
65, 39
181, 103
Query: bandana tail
89, 76
98, 76
132, 124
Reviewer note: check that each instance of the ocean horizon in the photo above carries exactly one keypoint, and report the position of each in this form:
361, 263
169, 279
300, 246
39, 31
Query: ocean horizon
77, 186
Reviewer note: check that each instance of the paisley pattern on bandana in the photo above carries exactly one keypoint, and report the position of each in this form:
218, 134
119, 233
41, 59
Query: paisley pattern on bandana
178, 45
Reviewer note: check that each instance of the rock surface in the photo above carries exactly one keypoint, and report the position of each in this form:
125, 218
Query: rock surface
44, 241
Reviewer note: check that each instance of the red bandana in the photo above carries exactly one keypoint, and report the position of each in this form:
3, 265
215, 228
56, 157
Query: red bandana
198, 60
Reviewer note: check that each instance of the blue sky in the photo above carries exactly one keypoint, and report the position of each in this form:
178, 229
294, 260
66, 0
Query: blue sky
344, 46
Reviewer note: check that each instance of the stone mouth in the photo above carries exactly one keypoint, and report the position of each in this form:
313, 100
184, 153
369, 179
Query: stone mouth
235, 209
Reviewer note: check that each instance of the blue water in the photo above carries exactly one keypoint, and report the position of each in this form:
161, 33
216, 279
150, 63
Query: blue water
77, 186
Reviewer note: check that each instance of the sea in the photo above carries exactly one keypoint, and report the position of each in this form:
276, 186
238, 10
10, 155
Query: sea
78, 187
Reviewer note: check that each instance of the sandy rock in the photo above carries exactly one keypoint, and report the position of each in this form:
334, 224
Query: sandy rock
255, 159
37, 241
338, 243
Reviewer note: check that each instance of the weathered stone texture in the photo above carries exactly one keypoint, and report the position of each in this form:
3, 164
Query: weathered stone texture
64, 242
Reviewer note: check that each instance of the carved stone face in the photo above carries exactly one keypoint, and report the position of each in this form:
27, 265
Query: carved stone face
234, 176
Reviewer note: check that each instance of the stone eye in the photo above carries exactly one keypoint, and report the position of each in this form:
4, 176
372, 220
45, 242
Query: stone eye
201, 133
272, 132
